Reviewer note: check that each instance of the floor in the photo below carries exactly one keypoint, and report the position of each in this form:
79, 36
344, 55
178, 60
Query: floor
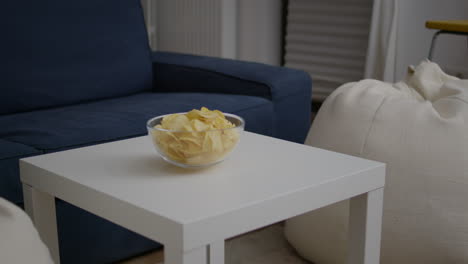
264, 246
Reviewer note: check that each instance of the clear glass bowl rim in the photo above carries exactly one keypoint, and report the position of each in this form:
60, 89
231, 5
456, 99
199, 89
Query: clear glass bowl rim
241, 125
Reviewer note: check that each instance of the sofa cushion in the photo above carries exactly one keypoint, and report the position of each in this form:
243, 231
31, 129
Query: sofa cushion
10, 152
63, 52
118, 118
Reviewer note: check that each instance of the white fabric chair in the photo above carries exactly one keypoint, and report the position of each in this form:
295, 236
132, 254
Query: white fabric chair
419, 128
19, 240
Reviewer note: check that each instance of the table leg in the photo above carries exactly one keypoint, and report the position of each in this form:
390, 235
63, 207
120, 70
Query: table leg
216, 252
210, 254
175, 255
40, 207
365, 227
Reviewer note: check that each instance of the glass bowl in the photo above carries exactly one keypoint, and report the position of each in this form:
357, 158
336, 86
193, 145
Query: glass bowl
195, 149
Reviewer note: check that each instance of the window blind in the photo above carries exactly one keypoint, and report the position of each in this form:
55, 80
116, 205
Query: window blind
328, 39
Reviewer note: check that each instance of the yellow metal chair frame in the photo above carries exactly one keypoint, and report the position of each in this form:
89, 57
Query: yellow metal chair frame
456, 27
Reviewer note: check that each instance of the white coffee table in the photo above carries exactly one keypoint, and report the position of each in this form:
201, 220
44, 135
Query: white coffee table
192, 212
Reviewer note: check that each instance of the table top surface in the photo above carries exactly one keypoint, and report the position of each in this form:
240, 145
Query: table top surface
260, 168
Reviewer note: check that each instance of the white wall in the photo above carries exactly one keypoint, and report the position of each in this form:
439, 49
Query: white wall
251, 30
190, 26
239, 29
413, 39
259, 31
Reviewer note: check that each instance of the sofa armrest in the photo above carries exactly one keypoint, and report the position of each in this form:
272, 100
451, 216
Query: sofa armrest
288, 89
173, 72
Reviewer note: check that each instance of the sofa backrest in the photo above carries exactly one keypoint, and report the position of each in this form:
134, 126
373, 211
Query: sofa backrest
65, 52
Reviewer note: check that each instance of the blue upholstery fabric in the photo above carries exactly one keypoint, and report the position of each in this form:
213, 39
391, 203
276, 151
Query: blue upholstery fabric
59, 52
10, 149
85, 124
86, 238
10, 152
288, 89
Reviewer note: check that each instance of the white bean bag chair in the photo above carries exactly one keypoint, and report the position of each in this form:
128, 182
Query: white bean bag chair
19, 240
419, 128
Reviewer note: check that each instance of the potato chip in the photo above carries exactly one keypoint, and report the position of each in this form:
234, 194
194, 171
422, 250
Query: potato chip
175, 122
195, 137
198, 125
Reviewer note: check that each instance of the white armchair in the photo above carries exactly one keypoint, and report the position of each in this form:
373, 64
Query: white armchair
419, 128
19, 240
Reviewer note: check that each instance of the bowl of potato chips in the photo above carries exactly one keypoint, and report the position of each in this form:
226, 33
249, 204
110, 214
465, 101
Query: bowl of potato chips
198, 138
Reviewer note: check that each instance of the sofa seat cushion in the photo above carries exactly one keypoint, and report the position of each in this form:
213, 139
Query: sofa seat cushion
10, 152
107, 120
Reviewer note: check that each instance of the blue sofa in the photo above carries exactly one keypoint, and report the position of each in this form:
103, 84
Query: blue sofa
81, 72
